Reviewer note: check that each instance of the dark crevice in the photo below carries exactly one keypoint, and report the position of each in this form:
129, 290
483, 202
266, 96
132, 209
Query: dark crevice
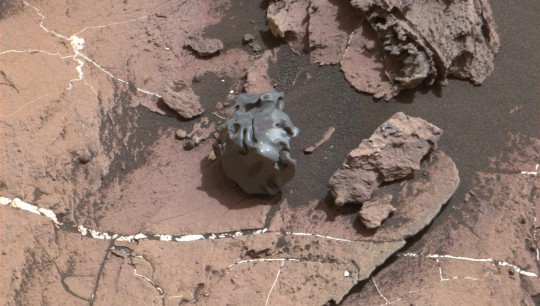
100, 273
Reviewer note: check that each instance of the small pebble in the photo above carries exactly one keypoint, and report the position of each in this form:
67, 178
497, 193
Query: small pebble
189, 145
248, 38
181, 134
85, 157
196, 139
256, 47
212, 156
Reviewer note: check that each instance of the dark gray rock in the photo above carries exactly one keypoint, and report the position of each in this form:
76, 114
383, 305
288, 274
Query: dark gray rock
254, 144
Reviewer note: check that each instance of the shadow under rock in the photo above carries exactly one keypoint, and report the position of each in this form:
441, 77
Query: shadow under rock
332, 211
408, 95
217, 185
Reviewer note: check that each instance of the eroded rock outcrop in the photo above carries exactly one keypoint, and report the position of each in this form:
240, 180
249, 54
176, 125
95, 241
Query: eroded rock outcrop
387, 46
393, 152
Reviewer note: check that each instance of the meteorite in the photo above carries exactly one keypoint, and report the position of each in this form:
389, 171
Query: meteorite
254, 144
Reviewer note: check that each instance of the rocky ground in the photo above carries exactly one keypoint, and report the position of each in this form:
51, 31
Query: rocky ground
111, 193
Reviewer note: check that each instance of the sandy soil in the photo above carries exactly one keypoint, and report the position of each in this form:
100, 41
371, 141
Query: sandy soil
113, 209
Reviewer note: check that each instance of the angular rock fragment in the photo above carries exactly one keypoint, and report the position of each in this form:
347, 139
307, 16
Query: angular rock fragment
205, 46
288, 19
201, 131
251, 42
375, 211
248, 38
180, 134
184, 102
393, 152
254, 144
421, 199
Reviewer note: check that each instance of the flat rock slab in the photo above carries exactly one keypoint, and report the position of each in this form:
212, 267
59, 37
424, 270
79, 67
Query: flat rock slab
284, 265
241, 267
64, 266
179, 192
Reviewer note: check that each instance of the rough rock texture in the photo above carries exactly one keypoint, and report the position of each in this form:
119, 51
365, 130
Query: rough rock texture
376, 210
393, 152
407, 59
205, 46
388, 46
184, 102
255, 144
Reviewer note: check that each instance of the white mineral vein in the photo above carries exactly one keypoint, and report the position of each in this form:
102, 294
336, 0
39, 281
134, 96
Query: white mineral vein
386, 302
462, 258
77, 45
275, 282
152, 282
533, 173
19, 204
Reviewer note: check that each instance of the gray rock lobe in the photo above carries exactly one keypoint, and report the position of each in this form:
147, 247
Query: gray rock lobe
254, 144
